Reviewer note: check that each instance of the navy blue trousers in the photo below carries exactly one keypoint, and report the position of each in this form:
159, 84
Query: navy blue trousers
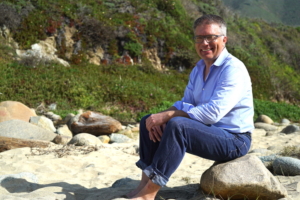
159, 160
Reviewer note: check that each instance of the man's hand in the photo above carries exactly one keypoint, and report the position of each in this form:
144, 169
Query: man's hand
156, 123
156, 120
156, 132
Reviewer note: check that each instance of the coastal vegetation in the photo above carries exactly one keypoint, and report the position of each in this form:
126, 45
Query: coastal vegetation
270, 52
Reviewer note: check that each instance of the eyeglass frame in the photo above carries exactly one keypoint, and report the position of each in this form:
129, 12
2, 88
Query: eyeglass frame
205, 39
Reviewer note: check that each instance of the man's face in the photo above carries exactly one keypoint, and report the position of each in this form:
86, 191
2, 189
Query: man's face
209, 52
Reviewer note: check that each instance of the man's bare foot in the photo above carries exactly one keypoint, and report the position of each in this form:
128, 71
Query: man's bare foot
142, 184
148, 192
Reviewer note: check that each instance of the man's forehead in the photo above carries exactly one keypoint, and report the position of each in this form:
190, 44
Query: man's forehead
202, 26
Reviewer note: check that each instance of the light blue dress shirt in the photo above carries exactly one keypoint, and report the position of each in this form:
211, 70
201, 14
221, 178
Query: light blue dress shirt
224, 99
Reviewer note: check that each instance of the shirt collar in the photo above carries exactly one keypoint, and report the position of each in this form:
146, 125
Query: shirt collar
222, 57
219, 61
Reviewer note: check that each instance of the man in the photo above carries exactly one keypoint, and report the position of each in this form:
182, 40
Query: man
213, 120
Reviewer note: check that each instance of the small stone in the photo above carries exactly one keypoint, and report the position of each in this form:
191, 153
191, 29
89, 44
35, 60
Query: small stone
43, 122
85, 139
285, 121
104, 139
119, 138
126, 132
135, 129
64, 130
264, 119
62, 139
52, 106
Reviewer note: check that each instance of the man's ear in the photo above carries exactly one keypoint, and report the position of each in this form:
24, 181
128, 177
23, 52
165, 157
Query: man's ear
225, 39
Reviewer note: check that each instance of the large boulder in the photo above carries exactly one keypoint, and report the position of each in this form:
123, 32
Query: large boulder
94, 123
245, 177
24, 130
15, 110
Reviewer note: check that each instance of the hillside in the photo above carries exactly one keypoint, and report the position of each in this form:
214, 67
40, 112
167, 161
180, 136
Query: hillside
151, 34
278, 11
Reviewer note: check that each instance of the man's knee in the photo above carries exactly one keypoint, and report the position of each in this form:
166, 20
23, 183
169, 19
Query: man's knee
143, 121
175, 121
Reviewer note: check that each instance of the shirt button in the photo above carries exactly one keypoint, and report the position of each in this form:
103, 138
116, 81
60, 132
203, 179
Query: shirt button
203, 89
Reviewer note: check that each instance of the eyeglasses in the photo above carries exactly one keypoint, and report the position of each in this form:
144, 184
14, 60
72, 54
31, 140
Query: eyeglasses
207, 38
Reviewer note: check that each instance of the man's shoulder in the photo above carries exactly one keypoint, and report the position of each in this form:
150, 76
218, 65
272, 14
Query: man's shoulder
233, 61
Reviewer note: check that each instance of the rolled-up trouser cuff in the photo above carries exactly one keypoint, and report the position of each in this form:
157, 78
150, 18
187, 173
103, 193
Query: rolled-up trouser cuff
140, 164
154, 175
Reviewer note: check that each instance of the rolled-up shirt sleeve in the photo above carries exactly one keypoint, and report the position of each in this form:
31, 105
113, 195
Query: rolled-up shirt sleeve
227, 93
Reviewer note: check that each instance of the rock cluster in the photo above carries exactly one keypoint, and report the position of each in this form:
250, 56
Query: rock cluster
21, 123
262, 174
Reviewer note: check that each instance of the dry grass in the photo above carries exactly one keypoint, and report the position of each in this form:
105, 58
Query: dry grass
291, 151
63, 151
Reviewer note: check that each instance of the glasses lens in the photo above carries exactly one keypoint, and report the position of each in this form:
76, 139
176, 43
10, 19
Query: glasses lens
210, 38
207, 38
198, 39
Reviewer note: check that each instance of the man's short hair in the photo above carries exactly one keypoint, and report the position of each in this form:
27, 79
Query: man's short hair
211, 19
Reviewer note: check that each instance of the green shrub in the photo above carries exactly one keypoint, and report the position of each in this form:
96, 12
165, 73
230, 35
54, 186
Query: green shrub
134, 48
276, 111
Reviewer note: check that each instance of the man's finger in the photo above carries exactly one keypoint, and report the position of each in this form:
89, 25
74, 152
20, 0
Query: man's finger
156, 132
151, 135
159, 131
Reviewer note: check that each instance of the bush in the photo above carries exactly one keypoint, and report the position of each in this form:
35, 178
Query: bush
96, 33
134, 48
9, 17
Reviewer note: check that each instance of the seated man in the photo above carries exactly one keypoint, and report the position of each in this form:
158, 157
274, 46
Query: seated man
213, 120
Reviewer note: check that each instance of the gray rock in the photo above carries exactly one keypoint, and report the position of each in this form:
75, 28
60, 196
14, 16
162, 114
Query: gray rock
269, 158
286, 166
121, 182
85, 139
53, 117
52, 106
242, 177
24, 130
285, 121
64, 130
268, 161
43, 122
265, 126
119, 138
290, 129
68, 118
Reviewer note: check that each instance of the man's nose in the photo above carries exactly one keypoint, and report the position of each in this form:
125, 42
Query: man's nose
205, 41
